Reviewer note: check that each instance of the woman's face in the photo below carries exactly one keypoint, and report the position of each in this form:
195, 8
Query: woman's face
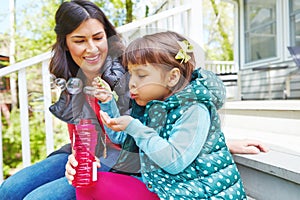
88, 47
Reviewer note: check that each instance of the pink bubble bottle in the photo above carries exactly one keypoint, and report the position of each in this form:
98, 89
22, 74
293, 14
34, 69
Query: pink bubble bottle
84, 144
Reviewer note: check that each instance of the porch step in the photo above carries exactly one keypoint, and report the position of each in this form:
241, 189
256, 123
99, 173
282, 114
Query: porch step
270, 176
274, 122
274, 175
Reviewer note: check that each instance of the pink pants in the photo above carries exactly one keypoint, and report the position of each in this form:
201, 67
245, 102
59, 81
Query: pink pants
113, 186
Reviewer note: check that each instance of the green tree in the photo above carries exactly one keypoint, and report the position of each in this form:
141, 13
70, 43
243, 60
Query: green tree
35, 30
218, 22
129, 7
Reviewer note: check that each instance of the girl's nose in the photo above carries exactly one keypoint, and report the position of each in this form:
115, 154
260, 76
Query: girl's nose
132, 85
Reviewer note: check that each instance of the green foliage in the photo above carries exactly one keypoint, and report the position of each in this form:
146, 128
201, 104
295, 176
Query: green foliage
61, 134
12, 144
115, 10
37, 136
11, 139
219, 30
35, 32
4, 63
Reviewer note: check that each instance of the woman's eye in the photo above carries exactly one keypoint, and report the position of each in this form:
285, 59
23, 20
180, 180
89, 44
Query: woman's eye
79, 41
98, 38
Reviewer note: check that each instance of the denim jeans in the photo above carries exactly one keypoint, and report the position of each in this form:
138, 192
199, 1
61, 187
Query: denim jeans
46, 179
43, 180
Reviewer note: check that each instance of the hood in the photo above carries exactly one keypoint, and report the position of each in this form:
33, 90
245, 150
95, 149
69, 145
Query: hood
215, 90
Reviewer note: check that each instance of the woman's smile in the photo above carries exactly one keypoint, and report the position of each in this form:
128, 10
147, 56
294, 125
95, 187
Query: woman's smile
92, 59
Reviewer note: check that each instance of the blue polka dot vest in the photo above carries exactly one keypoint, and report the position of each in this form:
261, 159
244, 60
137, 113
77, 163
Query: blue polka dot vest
213, 174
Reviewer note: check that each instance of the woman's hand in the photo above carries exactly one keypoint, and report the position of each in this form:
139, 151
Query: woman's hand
71, 165
116, 124
70, 171
246, 146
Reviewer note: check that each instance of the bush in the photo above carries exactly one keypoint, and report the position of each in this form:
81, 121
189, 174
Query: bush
12, 143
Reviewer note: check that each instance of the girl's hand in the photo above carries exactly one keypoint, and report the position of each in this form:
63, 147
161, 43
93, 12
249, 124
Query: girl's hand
116, 124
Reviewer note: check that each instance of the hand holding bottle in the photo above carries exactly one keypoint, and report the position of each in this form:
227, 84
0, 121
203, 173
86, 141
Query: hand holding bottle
84, 146
71, 165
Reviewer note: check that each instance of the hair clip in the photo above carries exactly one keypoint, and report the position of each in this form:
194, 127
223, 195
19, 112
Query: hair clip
186, 47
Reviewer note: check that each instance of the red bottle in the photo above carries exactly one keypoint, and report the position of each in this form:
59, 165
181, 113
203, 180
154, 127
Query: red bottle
85, 140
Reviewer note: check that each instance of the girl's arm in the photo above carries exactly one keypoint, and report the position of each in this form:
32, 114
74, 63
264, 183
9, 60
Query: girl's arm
186, 141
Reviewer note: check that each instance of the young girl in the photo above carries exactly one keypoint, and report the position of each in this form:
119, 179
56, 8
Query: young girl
182, 148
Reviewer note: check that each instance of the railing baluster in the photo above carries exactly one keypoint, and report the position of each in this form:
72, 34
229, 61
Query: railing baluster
47, 103
221, 67
24, 117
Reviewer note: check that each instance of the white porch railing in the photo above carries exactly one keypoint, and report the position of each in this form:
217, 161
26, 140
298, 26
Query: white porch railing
20, 69
221, 67
177, 19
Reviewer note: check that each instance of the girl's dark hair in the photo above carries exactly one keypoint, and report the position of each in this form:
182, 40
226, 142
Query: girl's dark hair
68, 17
159, 50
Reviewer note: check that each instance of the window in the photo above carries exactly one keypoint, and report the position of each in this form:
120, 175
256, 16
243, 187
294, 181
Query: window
260, 29
295, 22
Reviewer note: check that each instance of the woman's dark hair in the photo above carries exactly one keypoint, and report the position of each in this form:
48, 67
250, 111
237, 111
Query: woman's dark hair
160, 50
68, 17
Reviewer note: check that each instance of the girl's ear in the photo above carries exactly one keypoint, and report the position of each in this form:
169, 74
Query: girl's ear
173, 77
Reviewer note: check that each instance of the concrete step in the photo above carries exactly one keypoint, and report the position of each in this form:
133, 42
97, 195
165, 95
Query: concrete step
274, 175
270, 176
274, 122
269, 116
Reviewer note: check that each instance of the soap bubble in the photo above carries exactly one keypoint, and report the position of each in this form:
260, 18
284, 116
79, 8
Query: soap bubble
74, 85
52, 81
90, 90
60, 83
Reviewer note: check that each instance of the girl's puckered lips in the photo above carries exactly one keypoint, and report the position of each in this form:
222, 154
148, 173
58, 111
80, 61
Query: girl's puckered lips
133, 96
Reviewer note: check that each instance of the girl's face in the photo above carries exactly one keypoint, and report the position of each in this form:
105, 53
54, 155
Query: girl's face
88, 47
148, 83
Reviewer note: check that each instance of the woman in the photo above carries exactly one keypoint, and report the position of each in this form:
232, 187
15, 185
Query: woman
87, 45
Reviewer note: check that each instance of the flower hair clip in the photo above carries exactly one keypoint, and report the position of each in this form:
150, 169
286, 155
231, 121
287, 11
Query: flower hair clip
182, 54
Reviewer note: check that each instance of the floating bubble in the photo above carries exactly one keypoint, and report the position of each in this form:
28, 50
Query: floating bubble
52, 81
90, 90
74, 85
60, 83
